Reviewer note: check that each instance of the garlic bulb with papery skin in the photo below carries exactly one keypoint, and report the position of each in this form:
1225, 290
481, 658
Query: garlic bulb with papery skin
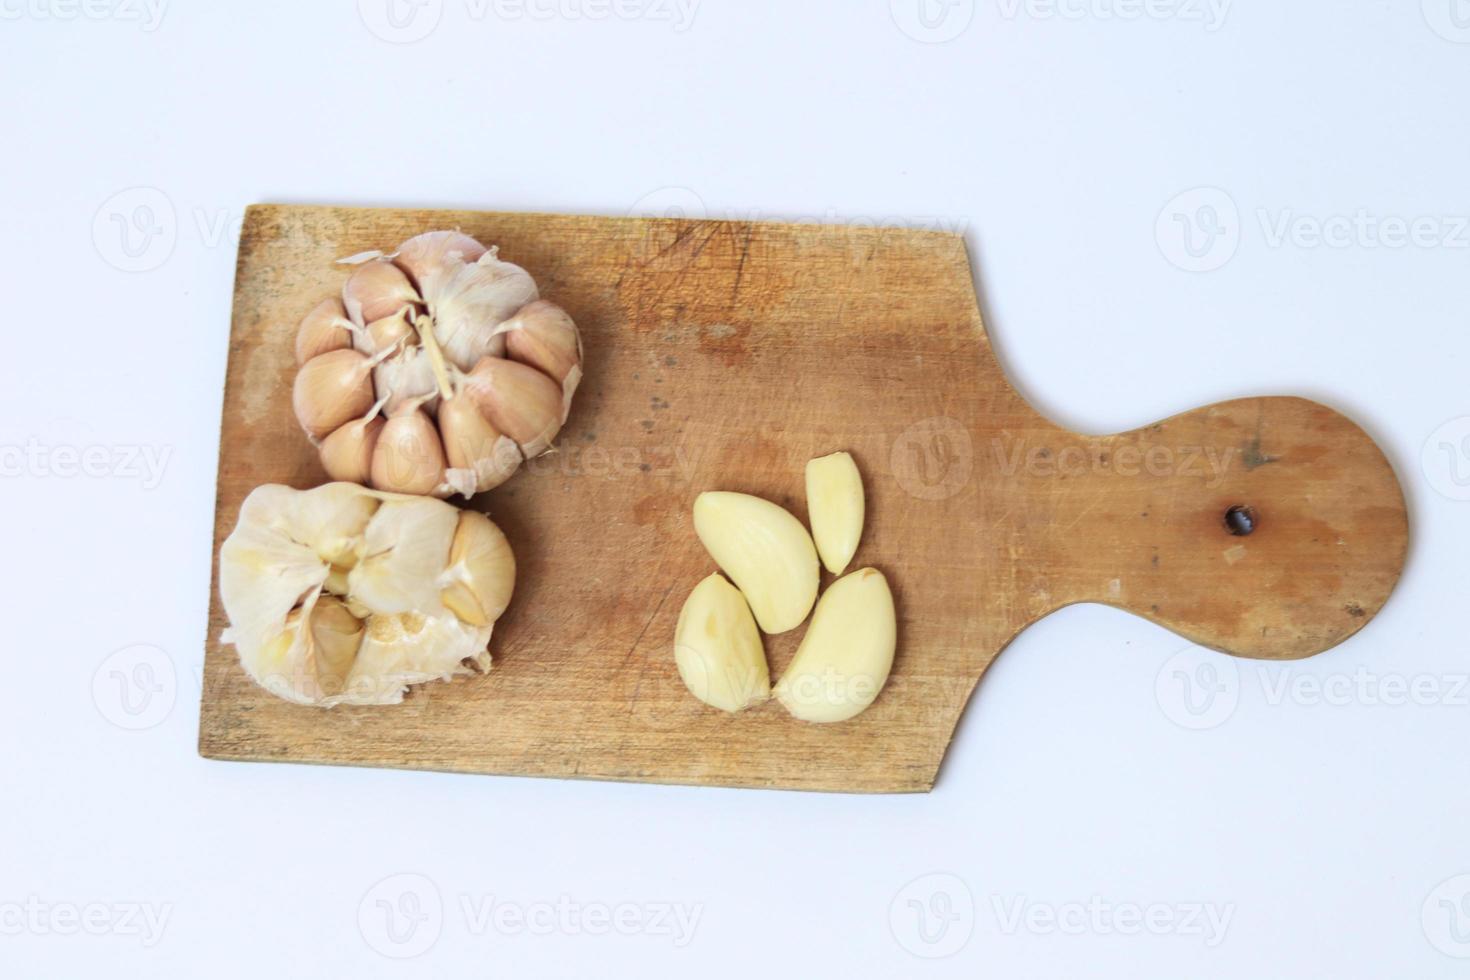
346, 595
458, 345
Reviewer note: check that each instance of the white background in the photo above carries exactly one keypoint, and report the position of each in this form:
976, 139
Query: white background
1329, 828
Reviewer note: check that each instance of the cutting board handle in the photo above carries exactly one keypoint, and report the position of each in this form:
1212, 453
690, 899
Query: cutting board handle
1263, 527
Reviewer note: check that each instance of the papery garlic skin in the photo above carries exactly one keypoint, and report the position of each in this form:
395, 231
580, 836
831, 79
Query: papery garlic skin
766, 552
718, 650
847, 652
834, 504
334, 593
448, 328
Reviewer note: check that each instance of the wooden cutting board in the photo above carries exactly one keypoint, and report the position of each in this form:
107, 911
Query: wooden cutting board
724, 355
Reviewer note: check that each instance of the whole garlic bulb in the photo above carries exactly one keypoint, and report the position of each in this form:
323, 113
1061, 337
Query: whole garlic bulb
439, 371
345, 595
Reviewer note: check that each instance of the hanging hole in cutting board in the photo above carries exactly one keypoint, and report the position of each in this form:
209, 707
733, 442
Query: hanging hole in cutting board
1241, 520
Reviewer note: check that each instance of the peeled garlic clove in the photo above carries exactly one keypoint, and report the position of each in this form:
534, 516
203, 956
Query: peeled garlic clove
482, 571
376, 290
408, 457
474, 446
518, 400
324, 329
765, 550
834, 502
718, 649
347, 454
543, 336
331, 389
847, 653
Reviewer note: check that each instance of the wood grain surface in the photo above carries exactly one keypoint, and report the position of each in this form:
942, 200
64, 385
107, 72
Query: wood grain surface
724, 355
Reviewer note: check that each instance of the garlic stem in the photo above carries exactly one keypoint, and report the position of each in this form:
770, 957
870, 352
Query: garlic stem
425, 326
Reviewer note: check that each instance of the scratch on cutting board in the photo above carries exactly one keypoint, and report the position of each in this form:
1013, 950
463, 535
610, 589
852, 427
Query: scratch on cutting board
1082, 513
633, 700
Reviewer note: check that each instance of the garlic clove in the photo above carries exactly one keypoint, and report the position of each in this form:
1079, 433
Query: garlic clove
347, 454
718, 649
543, 336
282, 665
336, 582
392, 331
434, 257
407, 377
474, 300
336, 635
765, 551
325, 328
331, 389
847, 653
376, 290
408, 457
473, 445
834, 502
468, 435
518, 400
312, 664
331, 520
482, 571
408, 648
403, 556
